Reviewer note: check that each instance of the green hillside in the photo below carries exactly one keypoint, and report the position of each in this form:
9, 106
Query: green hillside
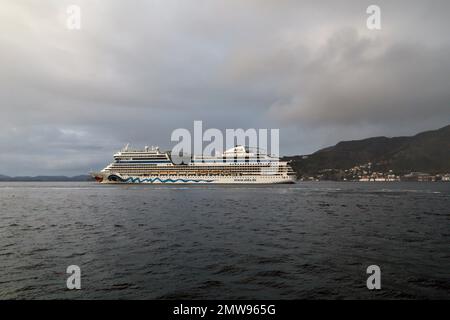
426, 152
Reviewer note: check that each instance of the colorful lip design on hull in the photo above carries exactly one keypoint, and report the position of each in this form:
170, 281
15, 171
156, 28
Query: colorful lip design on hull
116, 178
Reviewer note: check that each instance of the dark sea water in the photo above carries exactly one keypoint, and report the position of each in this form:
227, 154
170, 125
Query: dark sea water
309, 240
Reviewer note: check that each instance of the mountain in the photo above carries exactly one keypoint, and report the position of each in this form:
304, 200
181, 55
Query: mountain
425, 152
47, 178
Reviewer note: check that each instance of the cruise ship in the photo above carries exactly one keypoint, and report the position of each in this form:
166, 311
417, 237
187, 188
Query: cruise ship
238, 165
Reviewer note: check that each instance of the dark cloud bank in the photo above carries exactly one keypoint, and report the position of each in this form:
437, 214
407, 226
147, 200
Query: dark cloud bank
138, 70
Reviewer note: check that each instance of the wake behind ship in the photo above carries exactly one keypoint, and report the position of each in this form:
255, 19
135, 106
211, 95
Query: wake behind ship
238, 165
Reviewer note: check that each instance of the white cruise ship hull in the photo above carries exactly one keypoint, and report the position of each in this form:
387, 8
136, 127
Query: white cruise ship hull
235, 166
120, 179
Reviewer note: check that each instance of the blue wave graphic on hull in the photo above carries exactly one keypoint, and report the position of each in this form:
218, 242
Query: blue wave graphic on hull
152, 180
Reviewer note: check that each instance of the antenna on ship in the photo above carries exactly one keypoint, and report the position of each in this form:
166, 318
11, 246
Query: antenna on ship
126, 147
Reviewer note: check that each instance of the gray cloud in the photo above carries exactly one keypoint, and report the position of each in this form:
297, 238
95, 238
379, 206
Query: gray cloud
137, 71
352, 80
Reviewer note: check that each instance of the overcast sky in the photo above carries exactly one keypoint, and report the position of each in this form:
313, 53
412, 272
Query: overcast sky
137, 70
